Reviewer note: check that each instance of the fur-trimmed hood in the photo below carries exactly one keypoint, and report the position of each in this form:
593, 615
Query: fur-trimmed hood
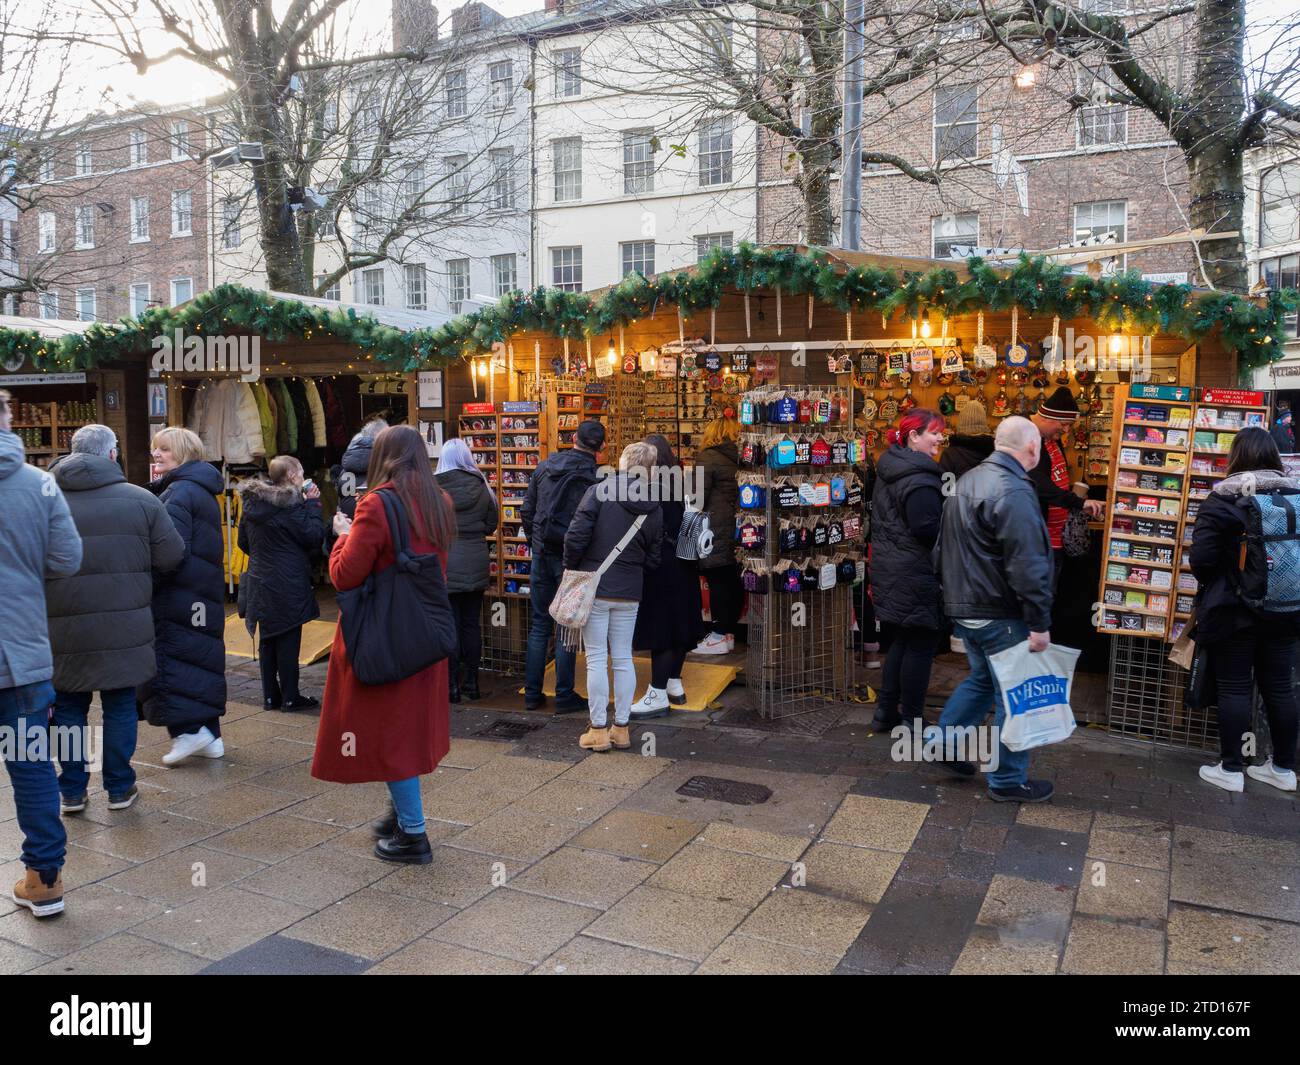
1259, 480
260, 490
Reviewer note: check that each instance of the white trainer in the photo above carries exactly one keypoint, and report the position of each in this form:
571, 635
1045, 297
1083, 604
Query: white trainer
1222, 778
653, 704
215, 749
188, 744
713, 644
1268, 773
676, 692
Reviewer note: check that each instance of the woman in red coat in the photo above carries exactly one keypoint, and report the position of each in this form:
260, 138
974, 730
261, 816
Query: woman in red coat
390, 732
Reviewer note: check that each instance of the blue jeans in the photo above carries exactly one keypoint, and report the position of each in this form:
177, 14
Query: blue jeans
608, 638
25, 716
408, 804
547, 569
120, 724
969, 705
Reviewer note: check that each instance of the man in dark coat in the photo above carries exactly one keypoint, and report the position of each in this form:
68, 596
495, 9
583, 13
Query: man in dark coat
101, 624
554, 492
188, 694
282, 533
994, 561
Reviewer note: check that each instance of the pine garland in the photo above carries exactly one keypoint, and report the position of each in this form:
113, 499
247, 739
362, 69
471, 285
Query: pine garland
1038, 287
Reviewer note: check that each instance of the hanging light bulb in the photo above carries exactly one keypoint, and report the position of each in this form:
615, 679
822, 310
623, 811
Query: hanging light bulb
611, 356
925, 323
1026, 76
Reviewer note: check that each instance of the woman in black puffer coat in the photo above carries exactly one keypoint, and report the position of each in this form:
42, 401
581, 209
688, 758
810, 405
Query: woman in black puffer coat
468, 563
905, 511
1247, 648
188, 694
281, 531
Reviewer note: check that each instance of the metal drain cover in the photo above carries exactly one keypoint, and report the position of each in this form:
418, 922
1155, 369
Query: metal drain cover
736, 792
508, 730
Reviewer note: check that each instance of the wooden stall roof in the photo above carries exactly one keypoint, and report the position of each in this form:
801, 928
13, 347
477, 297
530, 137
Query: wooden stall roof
53, 328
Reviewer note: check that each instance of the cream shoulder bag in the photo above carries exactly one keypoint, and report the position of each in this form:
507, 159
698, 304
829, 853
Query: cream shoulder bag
572, 604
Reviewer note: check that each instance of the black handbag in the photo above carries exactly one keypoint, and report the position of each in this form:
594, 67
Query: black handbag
399, 621
1202, 691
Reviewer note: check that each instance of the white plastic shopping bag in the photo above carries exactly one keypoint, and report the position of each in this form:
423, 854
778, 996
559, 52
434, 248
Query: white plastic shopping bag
1035, 688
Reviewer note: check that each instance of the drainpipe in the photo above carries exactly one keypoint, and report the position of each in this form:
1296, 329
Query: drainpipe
533, 271
851, 149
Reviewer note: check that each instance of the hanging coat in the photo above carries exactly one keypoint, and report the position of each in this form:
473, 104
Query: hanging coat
226, 417
286, 433
336, 426
302, 445
317, 408
266, 415
381, 732
188, 606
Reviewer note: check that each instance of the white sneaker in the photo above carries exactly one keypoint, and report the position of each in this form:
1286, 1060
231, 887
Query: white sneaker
188, 744
1222, 778
1268, 773
676, 693
653, 704
713, 644
215, 749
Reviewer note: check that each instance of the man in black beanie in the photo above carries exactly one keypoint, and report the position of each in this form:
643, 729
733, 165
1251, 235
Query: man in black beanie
555, 489
1051, 476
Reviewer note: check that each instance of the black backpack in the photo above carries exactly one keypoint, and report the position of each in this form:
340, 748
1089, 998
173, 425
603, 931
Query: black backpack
565, 494
399, 621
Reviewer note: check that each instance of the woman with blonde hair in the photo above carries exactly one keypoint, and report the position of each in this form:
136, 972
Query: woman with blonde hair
281, 531
719, 462
188, 694
614, 509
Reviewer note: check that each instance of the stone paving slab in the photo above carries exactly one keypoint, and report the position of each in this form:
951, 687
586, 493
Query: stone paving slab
584, 956
280, 956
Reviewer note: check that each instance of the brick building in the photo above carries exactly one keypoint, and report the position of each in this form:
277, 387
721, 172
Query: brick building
117, 217
1023, 160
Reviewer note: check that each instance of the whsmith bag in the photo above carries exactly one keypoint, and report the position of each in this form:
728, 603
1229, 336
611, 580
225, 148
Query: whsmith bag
1035, 689
399, 621
1269, 576
572, 604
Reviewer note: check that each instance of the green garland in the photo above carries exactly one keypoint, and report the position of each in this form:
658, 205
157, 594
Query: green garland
1036, 286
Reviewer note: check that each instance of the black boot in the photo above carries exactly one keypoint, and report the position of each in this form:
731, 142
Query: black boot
885, 720
405, 848
386, 825
470, 688
453, 684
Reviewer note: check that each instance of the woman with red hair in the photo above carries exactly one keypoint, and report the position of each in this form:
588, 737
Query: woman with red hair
905, 509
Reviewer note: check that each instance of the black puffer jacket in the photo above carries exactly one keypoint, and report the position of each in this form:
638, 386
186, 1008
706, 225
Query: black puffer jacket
993, 553
965, 453
904, 587
189, 605
602, 519
1215, 555
721, 494
555, 490
282, 534
476, 519
101, 621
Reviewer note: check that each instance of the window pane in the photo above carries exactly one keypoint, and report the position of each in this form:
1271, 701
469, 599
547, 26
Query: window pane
139, 298
456, 170
457, 283
706, 242
500, 85
639, 256
952, 230
956, 123
457, 97
416, 297
715, 152
372, 286
1103, 125
502, 193
504, 274
568, 72
567, 158
566, 269
1279, 221
638, 163
86, 304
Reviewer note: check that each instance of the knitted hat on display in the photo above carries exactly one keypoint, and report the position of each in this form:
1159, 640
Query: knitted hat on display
1060, 406
973, 421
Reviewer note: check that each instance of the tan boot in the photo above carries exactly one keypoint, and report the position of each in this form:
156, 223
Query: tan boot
41, 900
594, 739
619, 737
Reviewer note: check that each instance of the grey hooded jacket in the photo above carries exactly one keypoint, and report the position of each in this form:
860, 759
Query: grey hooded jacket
37, 540
101, 618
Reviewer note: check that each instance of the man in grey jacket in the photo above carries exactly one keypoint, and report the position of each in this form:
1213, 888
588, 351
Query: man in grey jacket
995, 563
37, 540
101, 618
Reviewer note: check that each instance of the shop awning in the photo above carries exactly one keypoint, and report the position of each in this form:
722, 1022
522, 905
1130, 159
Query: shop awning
46, 327
408, 321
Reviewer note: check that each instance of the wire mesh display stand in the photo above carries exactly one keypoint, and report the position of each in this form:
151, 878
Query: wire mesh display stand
505, 646
799, 657
1145, 699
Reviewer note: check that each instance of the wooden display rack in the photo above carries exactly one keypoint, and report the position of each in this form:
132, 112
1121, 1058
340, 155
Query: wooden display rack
55, 429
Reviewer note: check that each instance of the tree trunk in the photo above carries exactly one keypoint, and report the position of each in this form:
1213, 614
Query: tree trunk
1216, 187
815, 186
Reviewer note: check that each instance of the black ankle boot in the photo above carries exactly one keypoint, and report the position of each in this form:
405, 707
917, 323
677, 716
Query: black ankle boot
453, 691
470, 688
405, 848
386, 825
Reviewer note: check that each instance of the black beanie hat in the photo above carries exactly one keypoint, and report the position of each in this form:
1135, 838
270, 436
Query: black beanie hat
1061, 406
591, 435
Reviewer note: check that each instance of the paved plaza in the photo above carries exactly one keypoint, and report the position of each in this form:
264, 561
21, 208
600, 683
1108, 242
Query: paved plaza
551, 860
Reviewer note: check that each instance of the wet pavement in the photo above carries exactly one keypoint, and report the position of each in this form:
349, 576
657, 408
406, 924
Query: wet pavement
552, 860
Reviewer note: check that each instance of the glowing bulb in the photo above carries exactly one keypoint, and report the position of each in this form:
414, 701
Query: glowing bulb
925, 323
1116, 344
1026, 76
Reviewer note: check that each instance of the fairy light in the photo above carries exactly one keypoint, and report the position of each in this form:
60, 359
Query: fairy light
925, 323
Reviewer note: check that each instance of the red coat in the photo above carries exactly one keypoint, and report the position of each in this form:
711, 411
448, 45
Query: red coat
396, 730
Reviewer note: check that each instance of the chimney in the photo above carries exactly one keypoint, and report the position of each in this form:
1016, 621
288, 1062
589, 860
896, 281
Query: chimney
415, 25
473, 16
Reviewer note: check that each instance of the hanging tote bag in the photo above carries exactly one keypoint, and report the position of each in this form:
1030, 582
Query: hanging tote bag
1035, 690
399, 621
572, 604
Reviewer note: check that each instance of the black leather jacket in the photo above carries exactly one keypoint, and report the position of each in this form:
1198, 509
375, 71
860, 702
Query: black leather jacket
993, 555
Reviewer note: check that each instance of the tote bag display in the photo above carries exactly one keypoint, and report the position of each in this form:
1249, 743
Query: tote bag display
1035, 689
